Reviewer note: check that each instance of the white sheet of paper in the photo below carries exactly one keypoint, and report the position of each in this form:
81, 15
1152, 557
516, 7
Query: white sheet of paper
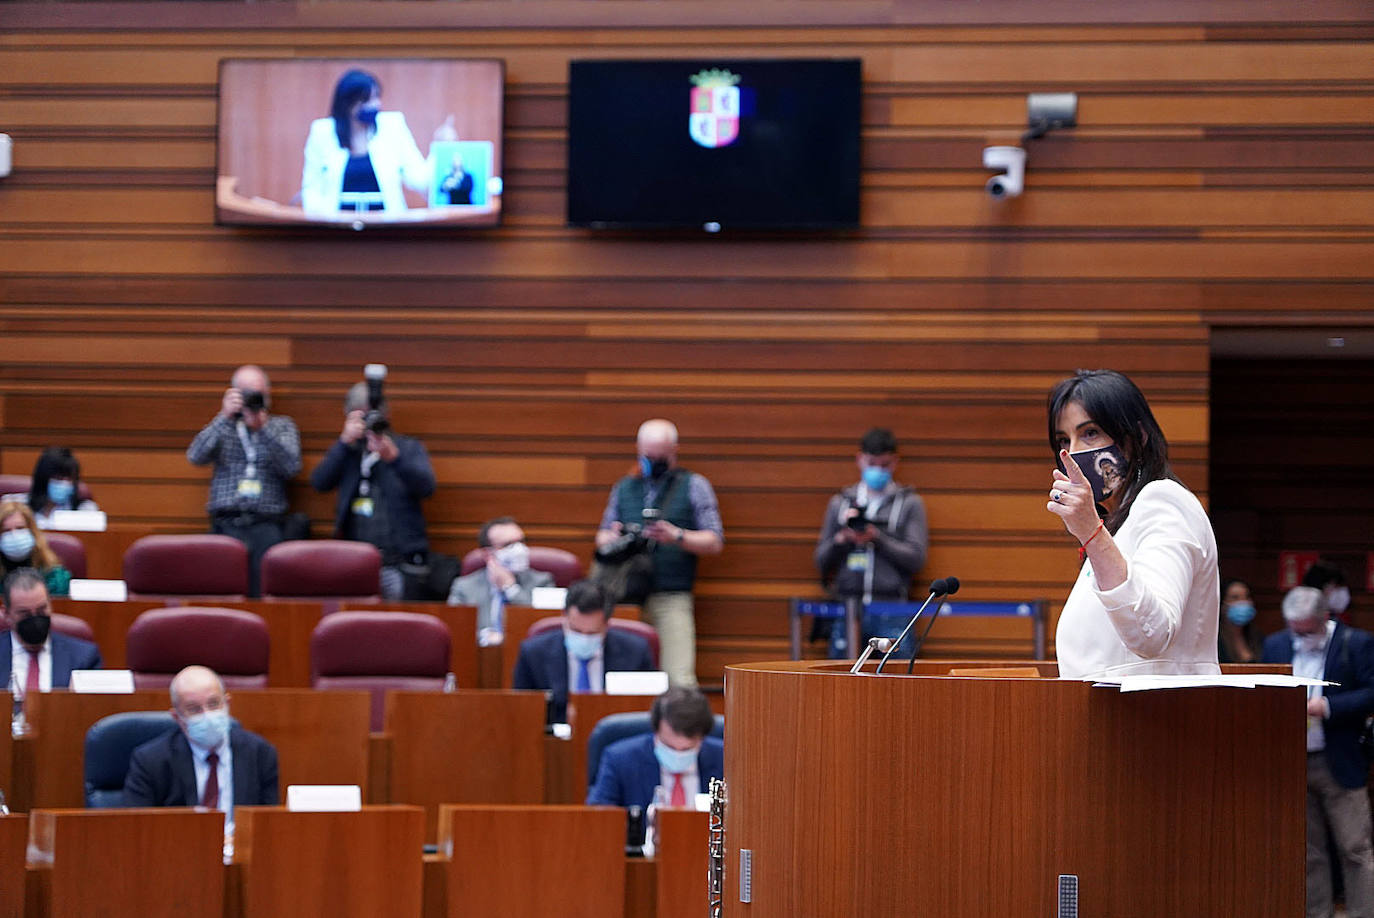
548, 598
78, 520
633, 683
1147, 683
324, 798
103, 681
99, 590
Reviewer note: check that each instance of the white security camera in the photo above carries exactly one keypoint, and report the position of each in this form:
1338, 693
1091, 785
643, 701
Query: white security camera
1013, 161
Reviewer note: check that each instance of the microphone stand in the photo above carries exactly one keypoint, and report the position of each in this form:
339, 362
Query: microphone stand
874, 643
936, 589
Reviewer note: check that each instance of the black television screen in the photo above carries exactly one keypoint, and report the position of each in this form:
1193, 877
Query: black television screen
712, 144
357, 142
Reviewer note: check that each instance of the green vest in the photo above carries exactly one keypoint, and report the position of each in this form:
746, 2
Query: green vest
674, 569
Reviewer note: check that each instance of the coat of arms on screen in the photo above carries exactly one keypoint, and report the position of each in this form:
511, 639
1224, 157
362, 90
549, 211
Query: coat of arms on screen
714, 119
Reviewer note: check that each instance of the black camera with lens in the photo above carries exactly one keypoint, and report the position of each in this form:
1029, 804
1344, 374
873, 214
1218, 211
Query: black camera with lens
630, 542
376, 420
253, 400
858, 522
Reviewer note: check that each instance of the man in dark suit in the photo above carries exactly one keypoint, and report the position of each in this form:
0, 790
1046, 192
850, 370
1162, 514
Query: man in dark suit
680, 756
209, 761
1337, 770
28, 616
577, 657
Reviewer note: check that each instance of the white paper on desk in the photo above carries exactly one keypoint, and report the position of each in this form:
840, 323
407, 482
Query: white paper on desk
1147, 683
103, 681
324, 798
99, 590
77, 520
547, 598
635, 683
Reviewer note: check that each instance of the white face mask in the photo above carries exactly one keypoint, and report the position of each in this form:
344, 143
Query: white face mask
1338, 599
514, 557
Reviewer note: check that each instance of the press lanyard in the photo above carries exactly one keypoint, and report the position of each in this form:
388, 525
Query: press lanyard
365, 470
250, 452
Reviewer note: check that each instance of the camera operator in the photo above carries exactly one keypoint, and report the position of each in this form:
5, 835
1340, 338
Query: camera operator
683, 523
873, 540
255, 454
381, 476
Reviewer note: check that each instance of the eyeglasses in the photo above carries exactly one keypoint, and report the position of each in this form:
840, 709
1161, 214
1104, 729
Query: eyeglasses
212, 704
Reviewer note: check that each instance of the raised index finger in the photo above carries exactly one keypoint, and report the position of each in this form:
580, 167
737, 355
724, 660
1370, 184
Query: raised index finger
1071, 467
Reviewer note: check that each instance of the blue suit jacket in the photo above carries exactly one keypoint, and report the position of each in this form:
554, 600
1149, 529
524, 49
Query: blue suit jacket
68, 653
161, 772
405, 482
543, 664
1349, 661
629, 772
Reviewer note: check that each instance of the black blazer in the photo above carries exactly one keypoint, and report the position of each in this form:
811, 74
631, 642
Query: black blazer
543, 664
1349, 661
161, 772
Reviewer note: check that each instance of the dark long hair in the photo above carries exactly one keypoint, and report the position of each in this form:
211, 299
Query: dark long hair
353, 87
1120, 409
53, 462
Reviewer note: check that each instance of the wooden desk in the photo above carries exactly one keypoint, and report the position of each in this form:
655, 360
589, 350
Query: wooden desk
344, 865
682, 860
7, 752
14, 838
135, 863
321, 737
465, 747
534, 861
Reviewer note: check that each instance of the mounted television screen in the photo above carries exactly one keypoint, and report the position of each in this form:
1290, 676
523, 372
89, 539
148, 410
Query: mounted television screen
714, 143
356, 142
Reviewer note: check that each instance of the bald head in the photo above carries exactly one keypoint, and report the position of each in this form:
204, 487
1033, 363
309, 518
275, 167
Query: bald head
193, 687
251, 378
657, 431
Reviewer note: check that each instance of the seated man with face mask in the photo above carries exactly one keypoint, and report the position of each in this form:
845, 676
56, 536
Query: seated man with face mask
208, 760
39, 658
576, 658
506, 580
680, 756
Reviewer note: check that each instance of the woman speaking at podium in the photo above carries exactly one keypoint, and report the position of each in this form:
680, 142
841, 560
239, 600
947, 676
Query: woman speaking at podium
1146, 597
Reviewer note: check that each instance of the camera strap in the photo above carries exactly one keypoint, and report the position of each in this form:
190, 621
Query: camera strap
250, 450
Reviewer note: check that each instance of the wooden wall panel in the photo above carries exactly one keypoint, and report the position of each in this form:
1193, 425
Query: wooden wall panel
1220, 175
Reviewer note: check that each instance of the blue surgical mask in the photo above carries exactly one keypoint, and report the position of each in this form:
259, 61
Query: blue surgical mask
583, 646
208, 729
674, 761
17, 544
59, 491
1240, 613
876, 478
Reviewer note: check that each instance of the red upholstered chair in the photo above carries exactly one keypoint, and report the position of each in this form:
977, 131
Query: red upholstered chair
232, 642
628, 625
70, 550
377, 651
15, 484
564, 565
72, 626
319, 568
186, 565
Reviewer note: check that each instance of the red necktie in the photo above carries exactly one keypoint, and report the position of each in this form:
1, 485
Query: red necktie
31, 680
210, 798
679, 794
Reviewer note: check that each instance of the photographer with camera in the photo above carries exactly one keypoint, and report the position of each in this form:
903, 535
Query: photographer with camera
663, 516
381, 477
255, 454
873, 540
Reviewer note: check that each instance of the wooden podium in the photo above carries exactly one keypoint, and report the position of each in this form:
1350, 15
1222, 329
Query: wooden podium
899, 795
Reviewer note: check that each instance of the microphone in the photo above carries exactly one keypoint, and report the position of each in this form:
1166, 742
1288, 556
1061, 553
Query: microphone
951, 587
938, 588
874, 643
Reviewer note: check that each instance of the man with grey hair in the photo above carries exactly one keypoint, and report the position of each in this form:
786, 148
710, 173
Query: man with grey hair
208, 760
1337, 770
381, 477
678, 515
255, 453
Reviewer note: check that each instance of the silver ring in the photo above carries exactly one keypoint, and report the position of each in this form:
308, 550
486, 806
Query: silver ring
1055, 495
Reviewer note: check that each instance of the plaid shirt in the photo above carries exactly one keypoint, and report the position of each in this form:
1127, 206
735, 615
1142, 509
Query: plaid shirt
279, 460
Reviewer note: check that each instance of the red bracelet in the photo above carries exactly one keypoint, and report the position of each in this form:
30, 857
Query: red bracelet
1083, 549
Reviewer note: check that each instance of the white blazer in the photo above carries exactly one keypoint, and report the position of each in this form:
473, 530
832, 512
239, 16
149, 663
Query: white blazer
395, 159
1163, 619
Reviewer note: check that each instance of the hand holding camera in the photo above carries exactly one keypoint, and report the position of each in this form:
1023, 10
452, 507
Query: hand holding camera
354, 429
857, 529
245, 405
